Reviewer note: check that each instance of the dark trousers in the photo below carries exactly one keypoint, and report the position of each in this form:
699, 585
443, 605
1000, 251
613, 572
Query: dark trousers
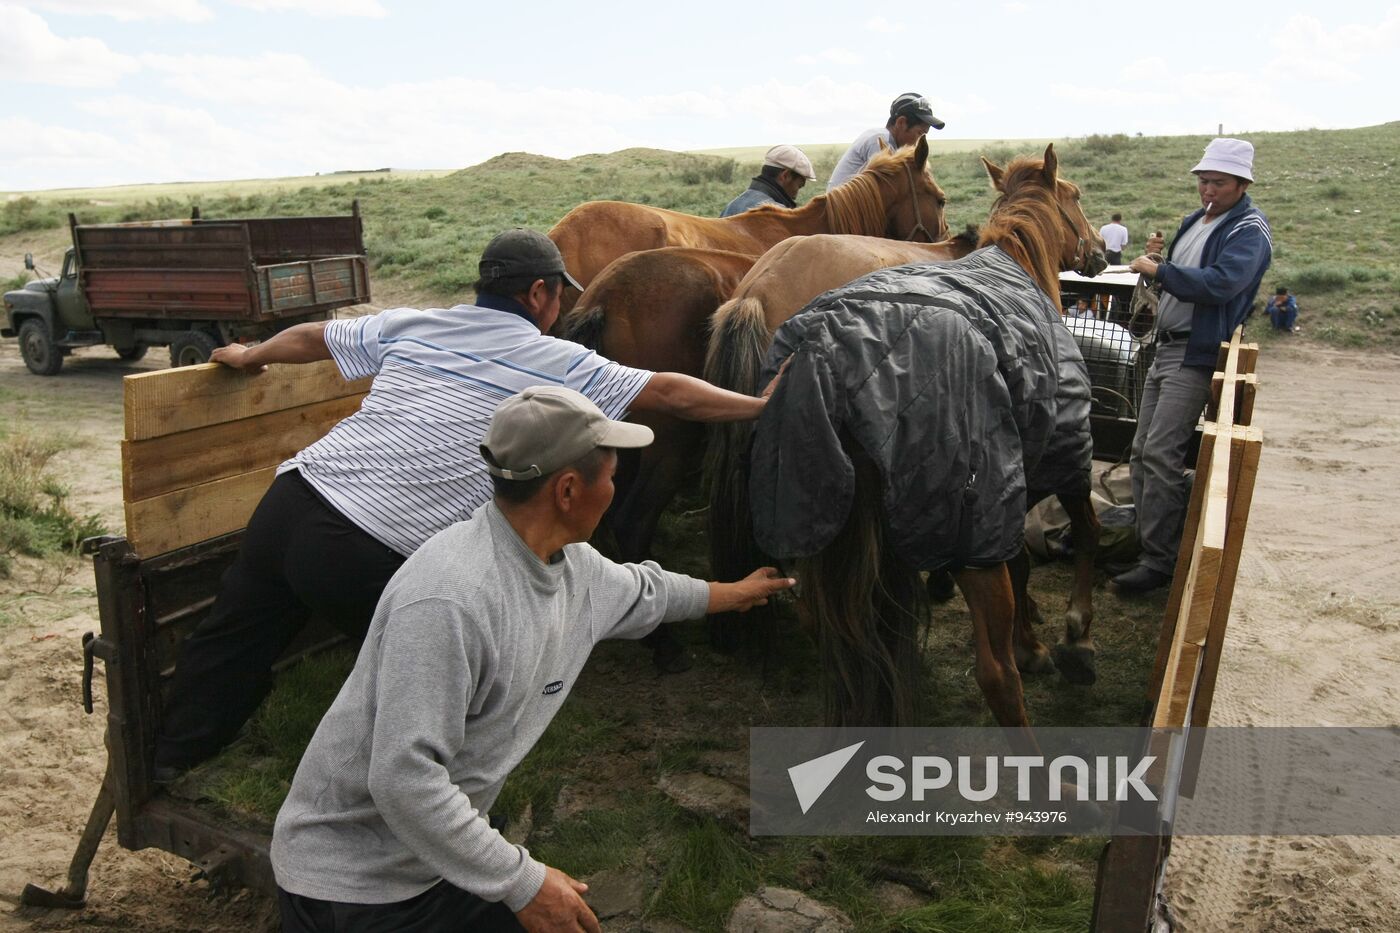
1113, 256
440, 909
299, 556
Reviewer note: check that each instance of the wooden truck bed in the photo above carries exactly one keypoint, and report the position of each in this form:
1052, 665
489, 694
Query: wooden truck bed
236, 270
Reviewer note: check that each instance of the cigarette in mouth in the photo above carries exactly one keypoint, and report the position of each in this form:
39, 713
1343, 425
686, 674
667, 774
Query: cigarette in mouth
1210, 207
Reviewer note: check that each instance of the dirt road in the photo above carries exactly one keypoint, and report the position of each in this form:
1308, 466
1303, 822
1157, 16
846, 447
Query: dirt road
1314, 639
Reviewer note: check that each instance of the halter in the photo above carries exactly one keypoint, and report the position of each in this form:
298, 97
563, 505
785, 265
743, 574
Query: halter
918, 214
1080, 263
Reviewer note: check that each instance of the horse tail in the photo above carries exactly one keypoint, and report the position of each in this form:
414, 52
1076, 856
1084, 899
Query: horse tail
585, 326
866, 608
739, 339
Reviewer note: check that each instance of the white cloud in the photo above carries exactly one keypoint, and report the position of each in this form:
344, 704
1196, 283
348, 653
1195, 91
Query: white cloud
880, 24
830, 56
35, 55
1016, 7
1309, 48
369, 8
188, 10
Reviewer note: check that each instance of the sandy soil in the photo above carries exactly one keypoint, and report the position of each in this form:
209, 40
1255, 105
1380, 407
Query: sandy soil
1314, 639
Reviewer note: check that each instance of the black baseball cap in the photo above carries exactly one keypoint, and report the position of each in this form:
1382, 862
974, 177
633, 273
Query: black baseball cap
522, 252
913, 106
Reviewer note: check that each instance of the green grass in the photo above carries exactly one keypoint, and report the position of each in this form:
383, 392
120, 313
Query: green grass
250, 779
623, 728
1325, 192
35, 518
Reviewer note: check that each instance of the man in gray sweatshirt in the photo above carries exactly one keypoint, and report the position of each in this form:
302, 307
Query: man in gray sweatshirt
473, 649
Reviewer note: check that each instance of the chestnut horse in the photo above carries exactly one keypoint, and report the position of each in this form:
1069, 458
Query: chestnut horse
863, 600
651, 310
780, 284
892, 196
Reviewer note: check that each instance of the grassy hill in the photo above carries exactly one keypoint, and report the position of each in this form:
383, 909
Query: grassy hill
1329, 194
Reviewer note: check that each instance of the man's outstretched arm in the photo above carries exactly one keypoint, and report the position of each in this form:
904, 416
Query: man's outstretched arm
302, 343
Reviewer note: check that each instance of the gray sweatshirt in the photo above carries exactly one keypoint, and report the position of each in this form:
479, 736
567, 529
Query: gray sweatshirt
473, 648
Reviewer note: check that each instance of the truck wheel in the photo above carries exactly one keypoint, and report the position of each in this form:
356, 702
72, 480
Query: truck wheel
132, 354
37, 349
192, 348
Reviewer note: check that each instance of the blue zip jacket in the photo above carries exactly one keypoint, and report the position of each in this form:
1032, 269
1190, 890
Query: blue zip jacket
1234, 260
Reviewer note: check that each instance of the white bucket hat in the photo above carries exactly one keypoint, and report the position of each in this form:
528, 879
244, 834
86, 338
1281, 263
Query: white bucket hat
1231, 156
791, 158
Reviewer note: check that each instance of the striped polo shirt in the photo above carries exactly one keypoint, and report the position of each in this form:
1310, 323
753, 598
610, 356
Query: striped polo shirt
408, 463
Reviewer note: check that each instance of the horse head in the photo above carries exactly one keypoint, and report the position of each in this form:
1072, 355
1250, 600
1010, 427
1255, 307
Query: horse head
913, 201
1036, 201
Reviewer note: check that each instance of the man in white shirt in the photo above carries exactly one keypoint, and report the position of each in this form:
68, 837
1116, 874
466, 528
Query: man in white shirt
910, 118
1115, 237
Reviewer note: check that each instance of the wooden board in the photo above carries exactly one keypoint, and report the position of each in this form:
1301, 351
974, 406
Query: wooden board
172, 400
161, 465
196, 513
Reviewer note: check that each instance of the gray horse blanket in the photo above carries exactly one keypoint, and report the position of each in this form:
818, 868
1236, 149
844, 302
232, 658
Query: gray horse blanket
956, 379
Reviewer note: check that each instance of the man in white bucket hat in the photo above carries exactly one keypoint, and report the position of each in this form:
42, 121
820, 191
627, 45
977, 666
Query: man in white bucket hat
786, 169
1209, 279
474, 647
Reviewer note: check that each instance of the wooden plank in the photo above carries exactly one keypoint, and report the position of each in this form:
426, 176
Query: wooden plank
1249, 357
160, 465
1189, 531
1244, 467
173, 400
194, 514
1249, 388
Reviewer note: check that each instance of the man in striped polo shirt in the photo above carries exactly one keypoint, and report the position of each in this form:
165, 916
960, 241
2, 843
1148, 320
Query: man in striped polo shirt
343, 514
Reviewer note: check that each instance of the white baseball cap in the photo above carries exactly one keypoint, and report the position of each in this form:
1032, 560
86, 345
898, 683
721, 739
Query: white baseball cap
546, 428
1231, 156
790, 157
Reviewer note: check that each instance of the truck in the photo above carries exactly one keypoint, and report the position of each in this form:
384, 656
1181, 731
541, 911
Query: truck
192, 285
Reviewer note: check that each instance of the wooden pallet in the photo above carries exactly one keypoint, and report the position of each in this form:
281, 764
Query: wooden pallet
1193, 628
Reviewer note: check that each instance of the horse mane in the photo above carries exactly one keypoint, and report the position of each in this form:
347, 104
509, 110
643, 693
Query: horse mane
856, 205
1025, 222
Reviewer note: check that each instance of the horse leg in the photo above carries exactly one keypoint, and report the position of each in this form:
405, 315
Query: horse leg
1032, 657
1075, 655
660, 471
993, 607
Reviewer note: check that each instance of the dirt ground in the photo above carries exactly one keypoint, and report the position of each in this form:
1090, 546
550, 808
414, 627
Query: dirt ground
1314, 639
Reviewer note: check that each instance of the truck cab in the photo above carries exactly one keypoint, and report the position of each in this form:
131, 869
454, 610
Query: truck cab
50, 316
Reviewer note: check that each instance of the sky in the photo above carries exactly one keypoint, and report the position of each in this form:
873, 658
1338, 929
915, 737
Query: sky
104, 92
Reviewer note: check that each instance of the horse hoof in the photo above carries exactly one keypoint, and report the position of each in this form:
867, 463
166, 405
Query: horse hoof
1034, 662
1076, 663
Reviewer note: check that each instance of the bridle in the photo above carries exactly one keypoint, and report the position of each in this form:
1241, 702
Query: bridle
918, 214
1080, 263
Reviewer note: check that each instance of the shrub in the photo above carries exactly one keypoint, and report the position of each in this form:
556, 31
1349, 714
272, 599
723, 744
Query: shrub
1105, 144
34, 516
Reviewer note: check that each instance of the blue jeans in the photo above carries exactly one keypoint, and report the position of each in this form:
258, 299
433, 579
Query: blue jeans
1283, 317
1172, 401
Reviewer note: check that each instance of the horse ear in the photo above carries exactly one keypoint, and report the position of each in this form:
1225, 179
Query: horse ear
883, 146
997, 175
1051, 165
921, 154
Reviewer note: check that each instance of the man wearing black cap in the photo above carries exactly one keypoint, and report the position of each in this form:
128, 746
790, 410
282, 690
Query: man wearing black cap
344, 513
910, 118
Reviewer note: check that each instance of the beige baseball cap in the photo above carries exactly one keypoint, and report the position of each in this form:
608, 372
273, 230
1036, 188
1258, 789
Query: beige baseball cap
792, 158
545, 428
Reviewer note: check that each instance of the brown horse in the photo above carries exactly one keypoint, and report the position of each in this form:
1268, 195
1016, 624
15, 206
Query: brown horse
893, 196
651, 310
861, 599
784, 280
